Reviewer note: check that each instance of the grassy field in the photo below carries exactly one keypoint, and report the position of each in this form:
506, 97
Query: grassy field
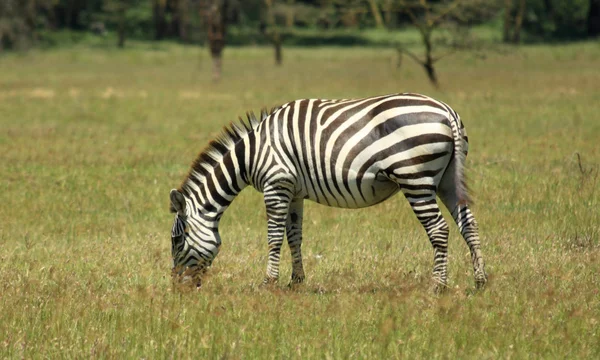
92, 140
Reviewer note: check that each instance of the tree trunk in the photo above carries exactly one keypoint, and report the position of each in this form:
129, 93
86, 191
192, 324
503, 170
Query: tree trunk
182, 20
429, 62
506, 36
69, 15
158, 14
273, 33
388, 13
278, 53
518, 23
593, 21
121, 27
216, 22
431, 74
290, 16
376, 14
217, 65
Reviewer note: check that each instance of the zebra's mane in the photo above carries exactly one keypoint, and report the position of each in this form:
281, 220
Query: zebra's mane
223, 143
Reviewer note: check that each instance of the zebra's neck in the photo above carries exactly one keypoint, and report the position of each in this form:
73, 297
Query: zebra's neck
215, 180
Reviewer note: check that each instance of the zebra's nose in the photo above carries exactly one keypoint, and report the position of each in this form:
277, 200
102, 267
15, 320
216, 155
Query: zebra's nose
188, 278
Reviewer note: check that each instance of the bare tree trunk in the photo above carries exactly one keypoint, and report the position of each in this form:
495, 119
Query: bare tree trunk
182, 20
160, 23
217, 66
431, 74
278, 52
273, 33
593, 21
507, 21
388, 13
69, 14
215, 18
376, 14
519, 22
121, 27
290, 16
429, 61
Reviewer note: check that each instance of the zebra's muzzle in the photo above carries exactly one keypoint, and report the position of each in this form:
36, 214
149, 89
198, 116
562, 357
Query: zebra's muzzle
186, 276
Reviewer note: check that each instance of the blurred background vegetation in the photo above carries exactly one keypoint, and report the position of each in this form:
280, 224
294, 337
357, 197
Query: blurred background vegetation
437, 27
32, 23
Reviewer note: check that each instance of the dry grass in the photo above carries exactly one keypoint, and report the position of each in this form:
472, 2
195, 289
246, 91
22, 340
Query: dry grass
92, 141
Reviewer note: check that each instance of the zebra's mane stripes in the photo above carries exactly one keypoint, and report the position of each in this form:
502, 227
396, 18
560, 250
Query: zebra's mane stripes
223, 143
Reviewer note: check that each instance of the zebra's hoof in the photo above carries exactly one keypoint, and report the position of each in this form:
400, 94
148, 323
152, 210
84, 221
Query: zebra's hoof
297, 279
267, 281
480, 282
439, 287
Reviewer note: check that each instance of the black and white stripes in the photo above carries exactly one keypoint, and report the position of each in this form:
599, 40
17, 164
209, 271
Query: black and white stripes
342, 153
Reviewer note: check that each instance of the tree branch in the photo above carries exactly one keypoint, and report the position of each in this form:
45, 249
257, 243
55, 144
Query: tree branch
409, 53
435, 22
450, 52
413, 17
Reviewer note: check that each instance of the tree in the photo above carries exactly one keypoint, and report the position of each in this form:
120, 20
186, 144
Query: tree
117, 11
566, 19
159, 18
290, 14
426, 24
376, 14
429, 16
181, 19
513, 21
271, 31
593, 20
214, 15
20, 21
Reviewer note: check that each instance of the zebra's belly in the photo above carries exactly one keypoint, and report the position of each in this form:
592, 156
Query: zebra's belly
353, 194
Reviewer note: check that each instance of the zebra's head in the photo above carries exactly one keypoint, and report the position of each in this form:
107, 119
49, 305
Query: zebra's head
190, 254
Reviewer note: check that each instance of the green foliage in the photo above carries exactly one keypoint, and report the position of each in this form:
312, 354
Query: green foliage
557, 18
92, 140
19, 20
32, 22
137, 16
570, 17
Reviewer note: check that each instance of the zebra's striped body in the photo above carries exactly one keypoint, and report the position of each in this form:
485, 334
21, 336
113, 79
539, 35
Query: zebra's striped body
342, 153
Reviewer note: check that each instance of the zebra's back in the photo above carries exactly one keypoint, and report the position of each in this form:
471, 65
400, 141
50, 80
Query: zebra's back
356, 153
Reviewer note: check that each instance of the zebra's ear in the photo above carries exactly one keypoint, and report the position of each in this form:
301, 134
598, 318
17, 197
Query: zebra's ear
177, 202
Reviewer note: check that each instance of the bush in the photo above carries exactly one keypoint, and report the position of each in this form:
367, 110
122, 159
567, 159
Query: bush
557, 18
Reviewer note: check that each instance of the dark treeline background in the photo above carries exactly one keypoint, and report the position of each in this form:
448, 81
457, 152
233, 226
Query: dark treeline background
27, 23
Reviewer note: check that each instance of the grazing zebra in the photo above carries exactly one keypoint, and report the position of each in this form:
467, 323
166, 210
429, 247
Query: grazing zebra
342, 153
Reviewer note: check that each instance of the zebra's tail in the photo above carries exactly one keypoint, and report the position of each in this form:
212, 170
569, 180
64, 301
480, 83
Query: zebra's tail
459, 157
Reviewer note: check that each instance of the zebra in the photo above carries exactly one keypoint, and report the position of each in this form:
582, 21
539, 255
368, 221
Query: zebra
347, 153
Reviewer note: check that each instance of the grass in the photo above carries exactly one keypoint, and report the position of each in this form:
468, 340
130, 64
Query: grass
92, 140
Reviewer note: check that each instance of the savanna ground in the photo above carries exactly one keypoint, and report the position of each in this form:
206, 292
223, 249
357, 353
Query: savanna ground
92, 140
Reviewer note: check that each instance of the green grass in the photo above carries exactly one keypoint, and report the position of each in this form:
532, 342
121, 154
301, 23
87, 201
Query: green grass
93, 140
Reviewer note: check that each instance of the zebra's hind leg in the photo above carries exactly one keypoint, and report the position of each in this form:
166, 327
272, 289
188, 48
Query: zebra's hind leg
468, 229
466, 224
277, 202
294, 237
430, 216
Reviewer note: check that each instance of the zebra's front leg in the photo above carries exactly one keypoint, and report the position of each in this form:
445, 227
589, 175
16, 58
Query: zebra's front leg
277, 201
293, 231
